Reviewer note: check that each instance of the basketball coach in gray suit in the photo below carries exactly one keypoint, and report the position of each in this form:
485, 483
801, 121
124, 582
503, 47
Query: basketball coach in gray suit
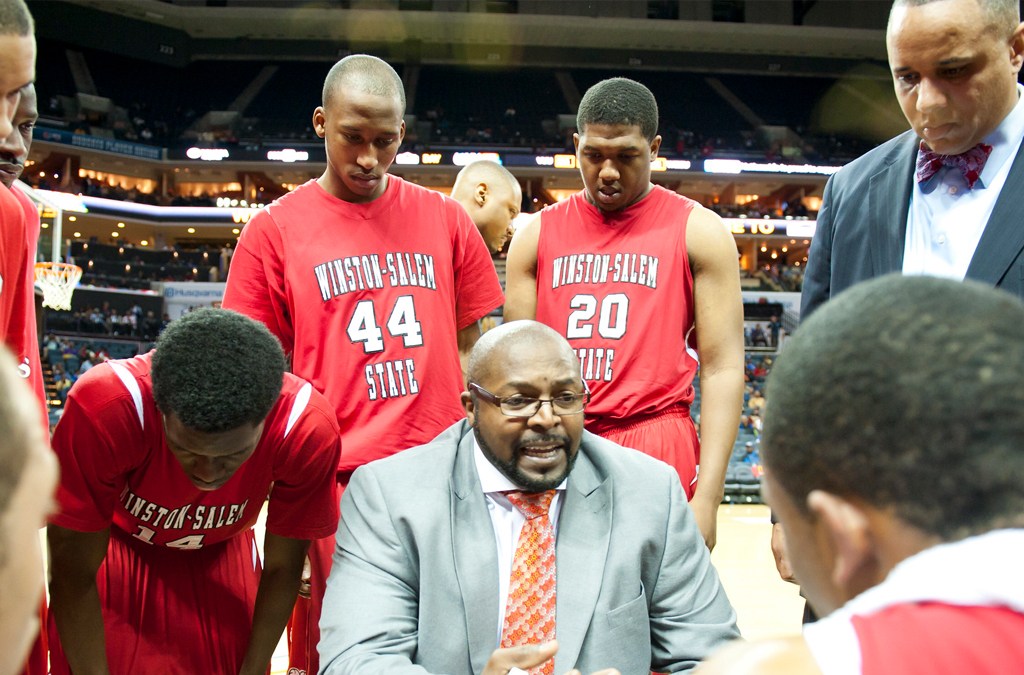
946, 198
416, 584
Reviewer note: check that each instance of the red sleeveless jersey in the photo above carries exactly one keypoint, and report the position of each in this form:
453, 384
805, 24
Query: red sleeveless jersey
618, 286
938, 638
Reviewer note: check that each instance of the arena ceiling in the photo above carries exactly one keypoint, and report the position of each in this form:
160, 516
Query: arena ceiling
180, 33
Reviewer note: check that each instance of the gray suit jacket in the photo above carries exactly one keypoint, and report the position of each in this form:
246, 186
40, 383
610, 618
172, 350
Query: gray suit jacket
862, 226
414, 586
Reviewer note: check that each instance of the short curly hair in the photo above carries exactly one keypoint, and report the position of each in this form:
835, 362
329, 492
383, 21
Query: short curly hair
217, 370
619, 101
906, 393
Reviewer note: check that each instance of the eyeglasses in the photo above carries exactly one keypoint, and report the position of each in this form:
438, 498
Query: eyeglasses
518, 405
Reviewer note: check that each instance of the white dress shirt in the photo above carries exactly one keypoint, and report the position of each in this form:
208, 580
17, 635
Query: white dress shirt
507, 520
946, 219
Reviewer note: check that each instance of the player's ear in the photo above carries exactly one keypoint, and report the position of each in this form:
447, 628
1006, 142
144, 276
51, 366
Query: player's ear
480, 194
319, 122
846, 528
655, 146
1016, 46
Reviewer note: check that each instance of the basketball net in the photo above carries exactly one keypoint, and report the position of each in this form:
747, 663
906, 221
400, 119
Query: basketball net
57, 281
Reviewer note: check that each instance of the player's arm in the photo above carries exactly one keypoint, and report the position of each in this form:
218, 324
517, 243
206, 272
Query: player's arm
255, 283
719, 327
75, 558
785, 656
279, 586
467, 337
521, 272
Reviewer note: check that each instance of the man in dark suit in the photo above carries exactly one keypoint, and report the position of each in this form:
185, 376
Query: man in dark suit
943, 199
424, 577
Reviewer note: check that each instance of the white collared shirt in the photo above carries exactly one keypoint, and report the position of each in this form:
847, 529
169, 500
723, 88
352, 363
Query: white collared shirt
946, 219
507, 521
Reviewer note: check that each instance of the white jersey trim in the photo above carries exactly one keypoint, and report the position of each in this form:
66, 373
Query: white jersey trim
833, 643
298, 406
933, 575
129, 382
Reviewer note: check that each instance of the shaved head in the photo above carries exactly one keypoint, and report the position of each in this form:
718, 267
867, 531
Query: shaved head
492, 197
15, 18
363, 73
495, 344
483, 171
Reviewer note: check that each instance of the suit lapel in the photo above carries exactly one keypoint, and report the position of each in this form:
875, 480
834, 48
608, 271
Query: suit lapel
476, 557
889, 204
584, 529
1003, 238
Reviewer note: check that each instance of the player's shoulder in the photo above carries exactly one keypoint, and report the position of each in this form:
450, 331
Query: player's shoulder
563, 207
661, 193
526, 236
426, 203
117, 371
113, 380
280, 210
706, 232
781, 656
417, 194
299, 400
12, 217
26, 202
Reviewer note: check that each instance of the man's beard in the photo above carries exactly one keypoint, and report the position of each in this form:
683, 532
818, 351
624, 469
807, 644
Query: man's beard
511, 470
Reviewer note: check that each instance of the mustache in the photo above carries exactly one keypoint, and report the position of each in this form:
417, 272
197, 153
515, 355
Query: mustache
542, 438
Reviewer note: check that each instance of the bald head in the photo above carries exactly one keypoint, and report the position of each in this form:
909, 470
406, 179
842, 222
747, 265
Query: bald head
483, 171
494, 347
492, 197
363, 73
15, 19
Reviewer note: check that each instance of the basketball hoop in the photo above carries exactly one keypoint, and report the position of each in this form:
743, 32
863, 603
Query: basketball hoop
57, 281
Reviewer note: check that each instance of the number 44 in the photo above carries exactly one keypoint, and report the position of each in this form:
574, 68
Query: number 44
363, 327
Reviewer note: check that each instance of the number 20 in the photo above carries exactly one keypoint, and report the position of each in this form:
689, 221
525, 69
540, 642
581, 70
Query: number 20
616, 304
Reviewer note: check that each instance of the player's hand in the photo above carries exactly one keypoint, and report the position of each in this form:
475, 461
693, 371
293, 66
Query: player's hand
305, 585
706, 515
779, 551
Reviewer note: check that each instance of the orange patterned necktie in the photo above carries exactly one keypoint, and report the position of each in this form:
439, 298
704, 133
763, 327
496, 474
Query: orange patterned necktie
530, 611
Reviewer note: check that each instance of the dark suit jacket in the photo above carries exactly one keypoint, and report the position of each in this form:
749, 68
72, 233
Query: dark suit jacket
414, 587
862, 226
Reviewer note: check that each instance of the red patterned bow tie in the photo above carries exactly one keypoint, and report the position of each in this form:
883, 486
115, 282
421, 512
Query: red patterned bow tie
969, 163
